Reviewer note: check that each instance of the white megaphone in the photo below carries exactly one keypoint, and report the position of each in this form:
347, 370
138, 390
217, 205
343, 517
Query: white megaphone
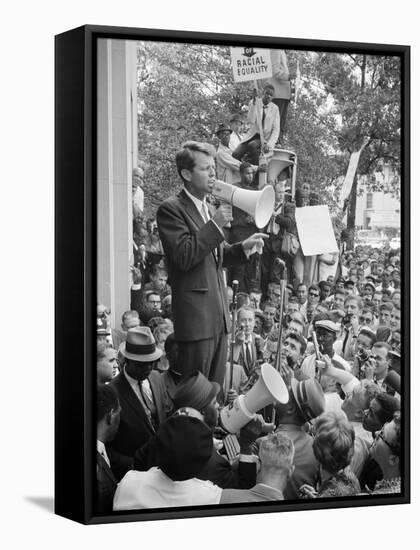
270, 388
280, 160
258, 204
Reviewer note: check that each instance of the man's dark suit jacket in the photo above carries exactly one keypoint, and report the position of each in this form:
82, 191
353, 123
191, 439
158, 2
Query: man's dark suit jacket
135, 427
106, 485
258, 493
199, 300
256, 350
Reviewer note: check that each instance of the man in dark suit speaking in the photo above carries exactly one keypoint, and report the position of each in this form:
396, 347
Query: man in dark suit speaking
193, 241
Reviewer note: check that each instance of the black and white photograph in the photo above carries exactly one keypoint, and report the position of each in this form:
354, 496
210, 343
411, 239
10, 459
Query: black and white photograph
250, 341
209, 287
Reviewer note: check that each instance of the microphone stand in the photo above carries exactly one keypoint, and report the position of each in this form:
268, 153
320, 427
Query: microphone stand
277, 363
318, 370
235, 285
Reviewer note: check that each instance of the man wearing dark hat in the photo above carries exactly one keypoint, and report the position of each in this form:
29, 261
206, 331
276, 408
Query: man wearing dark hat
141, 390
227, 168
199, 394
306, 402
184, 445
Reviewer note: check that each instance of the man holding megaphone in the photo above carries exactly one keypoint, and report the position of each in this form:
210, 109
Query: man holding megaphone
193, 241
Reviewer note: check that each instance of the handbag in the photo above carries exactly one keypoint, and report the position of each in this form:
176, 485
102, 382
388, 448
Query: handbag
290, 245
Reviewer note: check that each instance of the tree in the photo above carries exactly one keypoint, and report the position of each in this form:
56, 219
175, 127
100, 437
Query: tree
366, 95
186, 90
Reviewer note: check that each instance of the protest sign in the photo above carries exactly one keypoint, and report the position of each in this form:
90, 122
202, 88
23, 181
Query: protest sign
250, 64
315, 230
351, 171
348, 181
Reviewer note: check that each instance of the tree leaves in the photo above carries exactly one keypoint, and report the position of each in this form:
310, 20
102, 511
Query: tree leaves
186, 90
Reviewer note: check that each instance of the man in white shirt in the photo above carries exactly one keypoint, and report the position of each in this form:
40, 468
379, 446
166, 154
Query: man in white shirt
235, 136
326, 332
227, 167
264, 130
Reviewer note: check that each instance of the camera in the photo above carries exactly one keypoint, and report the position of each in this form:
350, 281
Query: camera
364, 355
347, 319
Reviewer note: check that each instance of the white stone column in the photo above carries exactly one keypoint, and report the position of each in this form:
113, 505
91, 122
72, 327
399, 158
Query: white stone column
117, 154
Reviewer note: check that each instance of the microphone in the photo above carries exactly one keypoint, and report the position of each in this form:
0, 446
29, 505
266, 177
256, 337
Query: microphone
279, 261
282, 264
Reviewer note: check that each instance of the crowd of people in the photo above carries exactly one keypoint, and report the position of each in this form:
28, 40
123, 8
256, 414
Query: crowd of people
329, 324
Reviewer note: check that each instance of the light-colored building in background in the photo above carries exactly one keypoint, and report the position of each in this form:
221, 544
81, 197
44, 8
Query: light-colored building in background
379, 209
116, 157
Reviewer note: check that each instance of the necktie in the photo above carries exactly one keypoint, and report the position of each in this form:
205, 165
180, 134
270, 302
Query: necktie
147, 397
248, 356
206, 219
205, 214
105, 457
263, 115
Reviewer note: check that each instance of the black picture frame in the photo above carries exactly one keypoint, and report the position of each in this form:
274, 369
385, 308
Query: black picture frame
75, 269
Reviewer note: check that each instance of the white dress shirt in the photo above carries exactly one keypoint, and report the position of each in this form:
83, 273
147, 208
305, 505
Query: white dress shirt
154, 489
100, 447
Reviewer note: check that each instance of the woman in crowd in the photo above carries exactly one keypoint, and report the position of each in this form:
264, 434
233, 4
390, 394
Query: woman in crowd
333, 447
386, 451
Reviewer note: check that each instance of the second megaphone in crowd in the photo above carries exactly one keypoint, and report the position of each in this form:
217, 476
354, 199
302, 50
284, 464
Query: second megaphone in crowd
270, 388
258, 204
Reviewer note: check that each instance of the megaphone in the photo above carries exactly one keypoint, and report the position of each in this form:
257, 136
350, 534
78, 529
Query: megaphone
258, 204
270, 388
280, 160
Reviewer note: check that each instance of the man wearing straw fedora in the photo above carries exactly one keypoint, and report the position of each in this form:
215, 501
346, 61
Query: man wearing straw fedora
142, 394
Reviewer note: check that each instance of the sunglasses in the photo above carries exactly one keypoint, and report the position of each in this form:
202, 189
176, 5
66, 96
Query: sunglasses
380, 435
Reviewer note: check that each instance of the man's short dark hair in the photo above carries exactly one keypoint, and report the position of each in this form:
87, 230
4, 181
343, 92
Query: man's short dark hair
369, 333
269, 86
269, 303
241, 299
297, 338
244, 166
170, 342
386, 306
323, 285
388, 406
149, 293
158, 270
382, 345
185, 157
106, 401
